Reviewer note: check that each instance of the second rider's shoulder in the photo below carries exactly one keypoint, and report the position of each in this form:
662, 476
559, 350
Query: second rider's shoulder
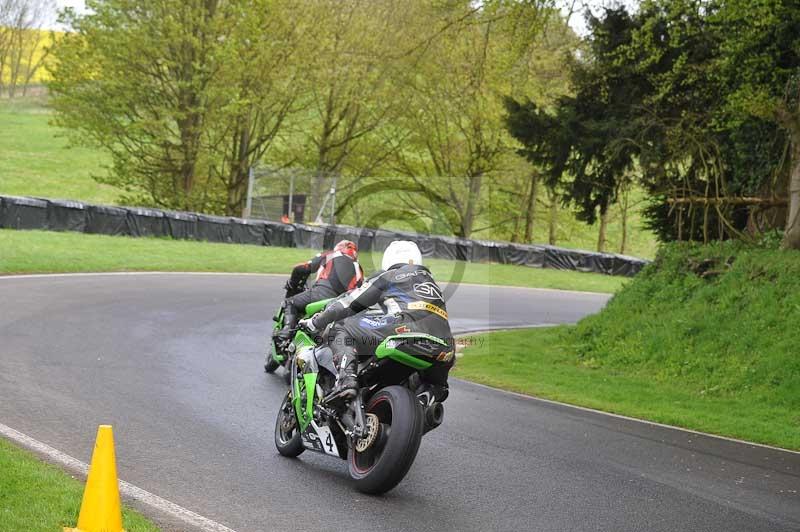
410, 271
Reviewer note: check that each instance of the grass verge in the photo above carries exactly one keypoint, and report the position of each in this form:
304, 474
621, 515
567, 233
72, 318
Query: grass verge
705, 338
36, 159
36, 496
49, 252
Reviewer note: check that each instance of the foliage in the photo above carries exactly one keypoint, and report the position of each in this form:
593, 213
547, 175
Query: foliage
454, 145
134, 79
184, 96
693, 100
396, 104
36, 160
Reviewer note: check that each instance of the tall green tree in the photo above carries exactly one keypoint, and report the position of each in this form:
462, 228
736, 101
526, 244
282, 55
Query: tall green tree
451, 120
760, 66
583, 141
695, 98
254, 92
344, 92
135, 78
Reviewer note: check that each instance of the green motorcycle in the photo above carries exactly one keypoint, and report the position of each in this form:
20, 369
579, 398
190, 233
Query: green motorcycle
380, 430
280, 354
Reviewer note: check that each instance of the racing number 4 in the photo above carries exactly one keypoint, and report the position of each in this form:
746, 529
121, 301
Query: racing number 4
329, 442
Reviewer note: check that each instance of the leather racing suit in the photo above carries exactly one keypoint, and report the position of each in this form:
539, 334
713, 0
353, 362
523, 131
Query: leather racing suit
411, 301
336, 274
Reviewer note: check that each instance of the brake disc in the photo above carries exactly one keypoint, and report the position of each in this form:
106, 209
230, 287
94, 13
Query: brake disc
373, 425
288, 421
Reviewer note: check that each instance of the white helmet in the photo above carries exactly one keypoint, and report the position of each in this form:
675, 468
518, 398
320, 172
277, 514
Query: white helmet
401, 252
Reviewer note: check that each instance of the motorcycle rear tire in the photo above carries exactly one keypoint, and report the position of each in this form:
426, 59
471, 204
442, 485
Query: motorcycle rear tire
398, 407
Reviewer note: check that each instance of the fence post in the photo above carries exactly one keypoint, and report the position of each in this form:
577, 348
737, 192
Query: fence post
249, 205
333, 201
290, 214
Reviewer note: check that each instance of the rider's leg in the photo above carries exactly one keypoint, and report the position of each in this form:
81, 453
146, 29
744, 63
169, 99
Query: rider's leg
295, 307
356, 337
345, 356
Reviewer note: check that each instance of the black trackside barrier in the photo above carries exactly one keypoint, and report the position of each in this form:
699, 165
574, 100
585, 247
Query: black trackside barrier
626, 265
247, 231
307, 236
446, 247
66, 215
426, 244
486, 251
561, 259
23, 213
599, 262
60, 215
182, 225
524, 255
105, 220
336, 233
213, 228
281, 235
146, 222
381, 238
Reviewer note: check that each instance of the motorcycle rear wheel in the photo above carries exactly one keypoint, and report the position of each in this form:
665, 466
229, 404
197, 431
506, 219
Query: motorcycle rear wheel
384, 464
287, 441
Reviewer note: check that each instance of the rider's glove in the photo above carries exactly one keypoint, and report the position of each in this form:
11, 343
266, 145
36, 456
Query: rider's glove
308, 325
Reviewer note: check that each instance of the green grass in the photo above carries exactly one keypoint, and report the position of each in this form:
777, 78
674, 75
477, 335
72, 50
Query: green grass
35, 496
716, 353
47, 252
35, 159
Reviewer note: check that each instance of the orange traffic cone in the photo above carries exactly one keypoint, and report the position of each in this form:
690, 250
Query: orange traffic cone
100, 509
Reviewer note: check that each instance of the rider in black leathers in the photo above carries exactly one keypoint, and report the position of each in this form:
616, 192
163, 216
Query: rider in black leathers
337, 272
411, 302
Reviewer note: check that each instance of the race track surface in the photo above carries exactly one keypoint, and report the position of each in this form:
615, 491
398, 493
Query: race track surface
174, 363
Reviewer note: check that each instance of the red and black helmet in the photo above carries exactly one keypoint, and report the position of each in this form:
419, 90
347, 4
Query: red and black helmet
348, 248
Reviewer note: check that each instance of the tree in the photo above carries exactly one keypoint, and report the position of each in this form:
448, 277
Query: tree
255, 92
760, 66
454, 139
22, 41
344, 90
136, 79
582, 143
689, 98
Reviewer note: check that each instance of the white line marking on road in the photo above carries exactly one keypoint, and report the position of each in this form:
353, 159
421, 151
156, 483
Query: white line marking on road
126, 490
628, 418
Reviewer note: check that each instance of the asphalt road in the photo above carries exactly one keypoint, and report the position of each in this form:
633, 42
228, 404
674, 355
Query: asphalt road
174, 363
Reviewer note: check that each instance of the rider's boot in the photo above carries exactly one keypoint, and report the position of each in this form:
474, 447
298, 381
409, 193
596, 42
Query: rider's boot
290, 319
347, 381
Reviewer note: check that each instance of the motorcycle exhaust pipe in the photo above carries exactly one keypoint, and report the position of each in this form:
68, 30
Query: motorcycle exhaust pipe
434, 415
